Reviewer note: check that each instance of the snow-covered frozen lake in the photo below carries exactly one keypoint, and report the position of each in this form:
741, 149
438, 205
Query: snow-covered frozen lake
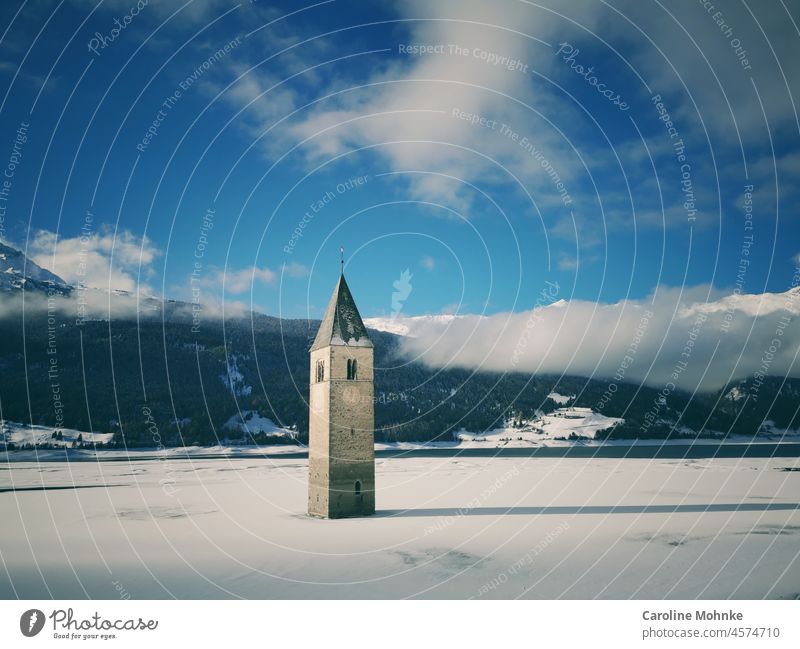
455, 527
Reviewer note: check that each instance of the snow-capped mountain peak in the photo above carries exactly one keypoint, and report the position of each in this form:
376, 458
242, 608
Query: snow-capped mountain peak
403, 325
18, 273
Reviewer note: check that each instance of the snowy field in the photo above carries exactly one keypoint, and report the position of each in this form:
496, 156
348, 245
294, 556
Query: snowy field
562, 424
20, 434
449, 527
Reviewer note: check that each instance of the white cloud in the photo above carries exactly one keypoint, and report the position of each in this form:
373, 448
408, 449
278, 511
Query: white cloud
567, 262
223, 290
410, 102
296, 270
404, 111
102, 259
721, 338
428, 263
239, 281
712, 70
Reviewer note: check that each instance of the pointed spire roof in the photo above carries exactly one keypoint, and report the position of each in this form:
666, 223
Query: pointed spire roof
342, 324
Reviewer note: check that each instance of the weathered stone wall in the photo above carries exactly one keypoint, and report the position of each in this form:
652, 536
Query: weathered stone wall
342, 421
319, 436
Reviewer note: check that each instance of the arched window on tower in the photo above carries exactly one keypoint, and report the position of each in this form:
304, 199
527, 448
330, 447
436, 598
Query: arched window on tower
358, 488
352, 369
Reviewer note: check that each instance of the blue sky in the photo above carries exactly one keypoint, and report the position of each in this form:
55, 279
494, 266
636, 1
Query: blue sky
554, 182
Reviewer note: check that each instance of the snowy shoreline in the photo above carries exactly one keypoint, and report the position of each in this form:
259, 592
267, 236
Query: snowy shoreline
567, 432
619, 449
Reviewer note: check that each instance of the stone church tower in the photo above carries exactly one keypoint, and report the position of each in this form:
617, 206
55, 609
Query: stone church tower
341, 457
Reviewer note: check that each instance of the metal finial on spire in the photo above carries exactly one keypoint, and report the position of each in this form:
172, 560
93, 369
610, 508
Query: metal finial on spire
341, 250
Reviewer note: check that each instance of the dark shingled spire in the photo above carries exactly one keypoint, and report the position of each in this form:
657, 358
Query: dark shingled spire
342, 324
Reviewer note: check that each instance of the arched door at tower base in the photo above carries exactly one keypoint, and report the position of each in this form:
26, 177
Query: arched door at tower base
359, 504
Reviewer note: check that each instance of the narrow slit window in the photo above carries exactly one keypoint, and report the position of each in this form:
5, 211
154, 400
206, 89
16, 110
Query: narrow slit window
320, 372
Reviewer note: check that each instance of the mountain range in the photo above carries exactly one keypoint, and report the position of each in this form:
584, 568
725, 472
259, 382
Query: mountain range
141, 370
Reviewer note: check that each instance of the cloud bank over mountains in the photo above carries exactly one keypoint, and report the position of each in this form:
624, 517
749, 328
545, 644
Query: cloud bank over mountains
692, 339
696, 338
